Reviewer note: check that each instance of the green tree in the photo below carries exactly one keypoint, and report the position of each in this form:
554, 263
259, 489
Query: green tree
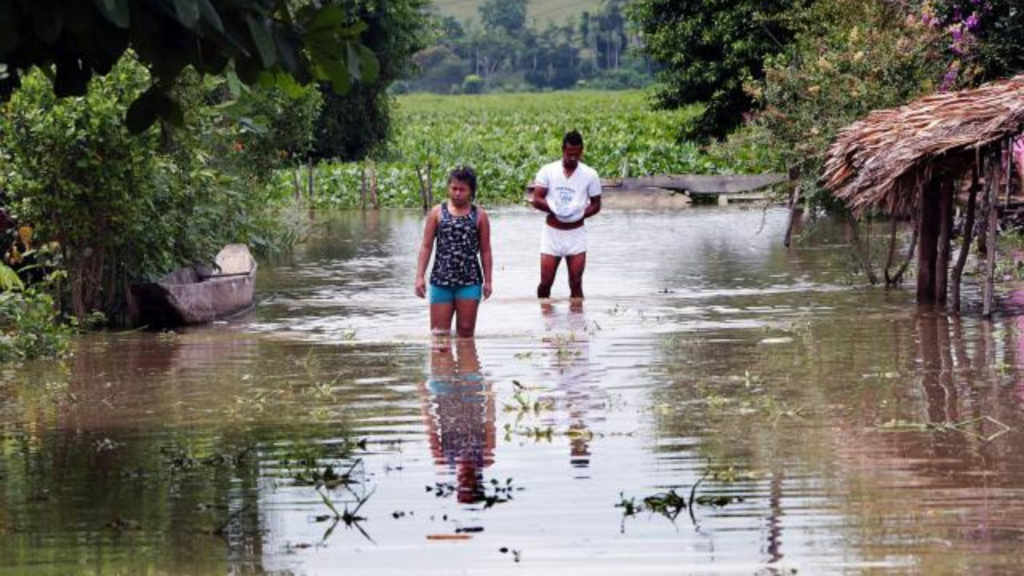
853, 56
262, 40
599, 47
441, 69
275, 128
506, 15
709, 48
472, 84
353, 124
1001, 36
983, 39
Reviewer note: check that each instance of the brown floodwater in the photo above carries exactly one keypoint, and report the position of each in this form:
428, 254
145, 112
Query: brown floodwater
719, 405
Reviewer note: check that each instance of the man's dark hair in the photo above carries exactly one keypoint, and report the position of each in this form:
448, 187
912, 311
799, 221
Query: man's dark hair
466, 175
573, 138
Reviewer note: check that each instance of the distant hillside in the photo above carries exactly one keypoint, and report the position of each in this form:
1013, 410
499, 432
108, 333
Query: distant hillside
539, 11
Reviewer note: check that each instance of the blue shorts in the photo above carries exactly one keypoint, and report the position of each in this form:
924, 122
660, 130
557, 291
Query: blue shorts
445, 295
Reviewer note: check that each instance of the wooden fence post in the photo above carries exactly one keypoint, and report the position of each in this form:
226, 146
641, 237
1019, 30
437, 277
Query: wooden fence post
426, 192
362, 187
945, 240
1008, 156
374, 199
430, 188
312, 178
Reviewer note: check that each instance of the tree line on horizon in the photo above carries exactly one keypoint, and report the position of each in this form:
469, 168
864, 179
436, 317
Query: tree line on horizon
505, 51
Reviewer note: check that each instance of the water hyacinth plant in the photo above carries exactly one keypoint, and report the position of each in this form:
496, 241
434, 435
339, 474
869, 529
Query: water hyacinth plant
507, 137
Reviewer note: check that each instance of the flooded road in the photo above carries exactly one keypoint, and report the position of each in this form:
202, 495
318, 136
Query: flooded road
718, 405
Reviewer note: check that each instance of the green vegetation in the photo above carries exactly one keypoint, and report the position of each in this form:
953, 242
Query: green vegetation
28, 322
981, 40
136, 137
512, 49
273, 43
119, 207
353, 124
709, 49
506, 138
538, 12
854, 56
792, 73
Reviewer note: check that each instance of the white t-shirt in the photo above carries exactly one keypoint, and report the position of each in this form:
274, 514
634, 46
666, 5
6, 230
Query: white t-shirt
569, 197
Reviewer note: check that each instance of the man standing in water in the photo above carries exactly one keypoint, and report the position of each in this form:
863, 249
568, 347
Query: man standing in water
569, 192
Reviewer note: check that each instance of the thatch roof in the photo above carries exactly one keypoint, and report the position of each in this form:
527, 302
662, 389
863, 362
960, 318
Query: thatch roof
883, 159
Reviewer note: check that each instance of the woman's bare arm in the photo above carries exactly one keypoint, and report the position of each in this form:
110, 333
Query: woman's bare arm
485, 252
426, 248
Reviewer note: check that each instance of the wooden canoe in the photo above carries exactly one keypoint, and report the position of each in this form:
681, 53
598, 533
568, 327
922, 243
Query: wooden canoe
197, 294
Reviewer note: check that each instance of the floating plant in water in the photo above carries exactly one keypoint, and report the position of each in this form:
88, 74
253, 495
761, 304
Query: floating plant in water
523, 404
326, 478
961, 426
489, 493
670, 504
350, 518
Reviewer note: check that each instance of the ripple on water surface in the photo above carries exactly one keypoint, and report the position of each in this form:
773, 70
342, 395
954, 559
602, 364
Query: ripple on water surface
718, 405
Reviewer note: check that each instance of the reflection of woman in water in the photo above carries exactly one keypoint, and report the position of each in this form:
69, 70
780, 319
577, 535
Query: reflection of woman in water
459, 411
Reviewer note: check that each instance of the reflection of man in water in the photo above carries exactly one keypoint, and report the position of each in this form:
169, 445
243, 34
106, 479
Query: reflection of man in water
570, 364
459, 410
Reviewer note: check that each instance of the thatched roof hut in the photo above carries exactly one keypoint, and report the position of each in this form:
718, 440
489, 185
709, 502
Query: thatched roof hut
885, 159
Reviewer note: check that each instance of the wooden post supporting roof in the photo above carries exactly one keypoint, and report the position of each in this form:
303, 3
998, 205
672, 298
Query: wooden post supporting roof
945, 189
968, 237
927, 244
881, 161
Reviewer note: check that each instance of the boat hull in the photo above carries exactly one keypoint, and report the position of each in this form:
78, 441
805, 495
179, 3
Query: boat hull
186, 297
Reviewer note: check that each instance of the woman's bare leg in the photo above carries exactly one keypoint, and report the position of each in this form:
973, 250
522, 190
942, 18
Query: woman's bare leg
465, 317
441, 317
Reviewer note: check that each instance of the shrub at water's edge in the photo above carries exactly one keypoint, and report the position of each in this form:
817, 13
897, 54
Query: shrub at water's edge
121, 207
853, 57
30, 326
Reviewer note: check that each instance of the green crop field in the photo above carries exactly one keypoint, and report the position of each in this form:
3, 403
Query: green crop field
507, 137
538, 12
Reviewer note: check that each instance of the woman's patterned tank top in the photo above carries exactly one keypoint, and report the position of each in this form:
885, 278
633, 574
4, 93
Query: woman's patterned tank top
458, 243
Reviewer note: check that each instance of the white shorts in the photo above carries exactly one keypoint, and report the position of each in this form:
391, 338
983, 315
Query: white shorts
561, 243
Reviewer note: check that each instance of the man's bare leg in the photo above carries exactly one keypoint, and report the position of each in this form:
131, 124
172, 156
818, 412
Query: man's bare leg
576, 264
548, 269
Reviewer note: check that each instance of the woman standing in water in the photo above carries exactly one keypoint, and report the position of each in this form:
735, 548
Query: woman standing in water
463, 235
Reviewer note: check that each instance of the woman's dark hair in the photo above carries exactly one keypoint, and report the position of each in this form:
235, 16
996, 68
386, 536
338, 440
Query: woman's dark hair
573, 138
466, 175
